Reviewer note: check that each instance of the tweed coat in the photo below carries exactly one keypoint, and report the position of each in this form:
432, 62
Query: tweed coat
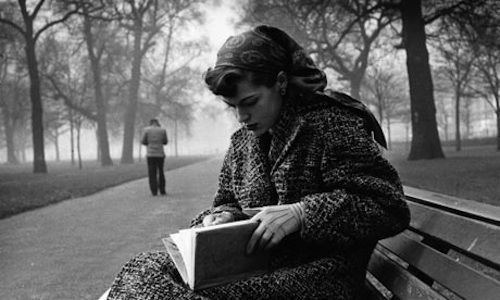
320, 154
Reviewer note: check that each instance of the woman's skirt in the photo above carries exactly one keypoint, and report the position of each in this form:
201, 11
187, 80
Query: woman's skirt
153, 276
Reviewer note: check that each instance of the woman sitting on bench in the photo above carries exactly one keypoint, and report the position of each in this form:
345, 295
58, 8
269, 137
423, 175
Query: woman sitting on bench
309, 154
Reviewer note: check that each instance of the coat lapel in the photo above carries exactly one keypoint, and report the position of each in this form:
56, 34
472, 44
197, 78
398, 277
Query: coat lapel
283, 136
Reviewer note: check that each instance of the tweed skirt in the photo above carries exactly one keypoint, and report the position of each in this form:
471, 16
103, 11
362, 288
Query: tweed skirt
153, 276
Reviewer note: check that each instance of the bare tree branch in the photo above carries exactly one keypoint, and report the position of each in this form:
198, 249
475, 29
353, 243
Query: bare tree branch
50, 24
67, 100
37, 9
13, 25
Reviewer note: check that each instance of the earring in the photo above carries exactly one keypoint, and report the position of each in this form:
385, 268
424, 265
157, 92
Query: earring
283, 91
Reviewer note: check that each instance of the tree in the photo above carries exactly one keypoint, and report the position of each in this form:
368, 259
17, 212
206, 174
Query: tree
376, 15
26, 26
14, 103
145, 20
425, 139
340, 34
481, 27
96, 49
457, 65
55, 123
385, 90
142, 19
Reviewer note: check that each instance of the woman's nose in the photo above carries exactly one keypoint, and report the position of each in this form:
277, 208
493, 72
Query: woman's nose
242, 115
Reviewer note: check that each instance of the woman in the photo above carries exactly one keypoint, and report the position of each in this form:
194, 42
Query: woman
306, 154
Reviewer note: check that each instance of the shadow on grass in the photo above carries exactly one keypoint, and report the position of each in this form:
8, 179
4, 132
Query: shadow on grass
21, 190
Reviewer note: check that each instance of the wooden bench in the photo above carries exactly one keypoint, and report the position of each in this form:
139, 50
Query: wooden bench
450, 251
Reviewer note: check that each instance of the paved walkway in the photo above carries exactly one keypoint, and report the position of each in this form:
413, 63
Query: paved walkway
73, 249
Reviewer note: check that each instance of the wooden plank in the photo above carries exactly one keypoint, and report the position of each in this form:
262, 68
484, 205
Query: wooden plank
472, 236
481, 210
399, 281
459, 278
373, 290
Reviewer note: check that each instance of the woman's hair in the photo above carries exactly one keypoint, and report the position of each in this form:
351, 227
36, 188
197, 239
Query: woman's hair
223, 81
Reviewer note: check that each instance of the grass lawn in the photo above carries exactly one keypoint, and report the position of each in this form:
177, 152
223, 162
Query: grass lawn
473, 173
21, 190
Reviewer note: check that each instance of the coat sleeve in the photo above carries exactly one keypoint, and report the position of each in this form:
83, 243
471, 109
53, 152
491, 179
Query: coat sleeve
363, 199
144, 139
224, 199
165, 137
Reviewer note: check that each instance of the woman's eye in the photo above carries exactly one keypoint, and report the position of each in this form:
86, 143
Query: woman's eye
250, 102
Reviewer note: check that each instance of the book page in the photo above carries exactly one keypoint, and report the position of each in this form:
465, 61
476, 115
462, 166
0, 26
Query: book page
184, 240
176, 257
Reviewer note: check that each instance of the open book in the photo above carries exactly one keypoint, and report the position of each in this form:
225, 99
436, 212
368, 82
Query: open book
209, 256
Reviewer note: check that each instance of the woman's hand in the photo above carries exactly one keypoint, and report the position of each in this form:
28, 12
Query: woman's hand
276, 222
218, 218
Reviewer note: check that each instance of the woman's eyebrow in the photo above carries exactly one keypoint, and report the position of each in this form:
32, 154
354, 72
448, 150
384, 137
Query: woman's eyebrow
240, 101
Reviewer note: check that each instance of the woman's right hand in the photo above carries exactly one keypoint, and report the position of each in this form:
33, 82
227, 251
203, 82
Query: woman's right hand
218, 218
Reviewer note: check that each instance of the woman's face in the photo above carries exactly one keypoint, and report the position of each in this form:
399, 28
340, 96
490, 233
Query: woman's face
258, 107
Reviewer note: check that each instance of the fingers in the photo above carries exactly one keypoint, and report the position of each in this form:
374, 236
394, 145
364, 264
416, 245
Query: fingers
255, 236
268, 234
265, 239
208, 220
218, 218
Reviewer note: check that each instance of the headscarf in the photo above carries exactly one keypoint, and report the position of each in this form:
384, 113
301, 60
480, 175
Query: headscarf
268, 49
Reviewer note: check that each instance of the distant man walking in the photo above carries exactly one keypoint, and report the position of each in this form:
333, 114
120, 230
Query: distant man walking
154, 138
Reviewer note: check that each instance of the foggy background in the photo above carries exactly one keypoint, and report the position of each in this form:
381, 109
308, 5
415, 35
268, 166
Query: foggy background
104, 68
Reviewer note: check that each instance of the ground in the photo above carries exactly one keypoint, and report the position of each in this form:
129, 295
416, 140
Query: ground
73, 249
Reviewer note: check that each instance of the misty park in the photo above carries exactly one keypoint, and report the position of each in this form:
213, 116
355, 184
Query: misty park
80, 80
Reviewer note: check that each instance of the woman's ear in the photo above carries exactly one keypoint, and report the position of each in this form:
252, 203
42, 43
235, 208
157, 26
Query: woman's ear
282, 80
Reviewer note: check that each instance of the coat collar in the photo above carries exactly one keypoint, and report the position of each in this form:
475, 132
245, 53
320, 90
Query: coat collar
283, 134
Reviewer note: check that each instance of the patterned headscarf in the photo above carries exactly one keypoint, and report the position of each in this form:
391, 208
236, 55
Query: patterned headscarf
268, 49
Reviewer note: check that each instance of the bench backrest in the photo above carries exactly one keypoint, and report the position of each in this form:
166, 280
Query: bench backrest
452, 248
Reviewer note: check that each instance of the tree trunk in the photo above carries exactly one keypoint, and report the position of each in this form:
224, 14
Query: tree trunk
78, 148
72, 136
39, 164
130, 113
175, 137
458, 140
356, 80
9, 138
56, 145
102, 130
425, 142
407, 136
446, 128
97, 150
498, 128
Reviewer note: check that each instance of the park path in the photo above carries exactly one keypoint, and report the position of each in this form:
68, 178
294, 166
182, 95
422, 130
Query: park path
73, 249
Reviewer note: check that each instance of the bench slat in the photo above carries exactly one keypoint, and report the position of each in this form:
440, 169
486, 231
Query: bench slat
399, 281
473, 208
472, 236
459, 278
372, 292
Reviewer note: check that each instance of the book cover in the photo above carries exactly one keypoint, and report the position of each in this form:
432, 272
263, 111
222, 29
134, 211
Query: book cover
214, 255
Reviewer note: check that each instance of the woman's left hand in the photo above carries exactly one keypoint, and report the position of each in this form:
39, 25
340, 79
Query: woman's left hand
276, 222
